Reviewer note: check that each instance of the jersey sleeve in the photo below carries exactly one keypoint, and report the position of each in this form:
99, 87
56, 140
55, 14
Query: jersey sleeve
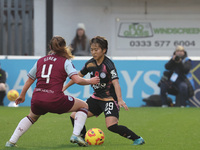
32, 72
84, 70
114, 74
112, 70
69, 68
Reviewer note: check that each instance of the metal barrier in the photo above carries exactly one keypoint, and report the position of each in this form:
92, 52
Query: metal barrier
16, 27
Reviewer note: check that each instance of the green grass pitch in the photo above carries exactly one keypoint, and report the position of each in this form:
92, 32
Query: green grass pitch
161, 128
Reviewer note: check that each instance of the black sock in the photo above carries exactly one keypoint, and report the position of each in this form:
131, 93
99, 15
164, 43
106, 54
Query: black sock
2, 95
123, 131
83, 132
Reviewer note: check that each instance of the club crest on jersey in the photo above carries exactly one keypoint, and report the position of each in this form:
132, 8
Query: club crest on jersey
70, 98
113, 73
102, 75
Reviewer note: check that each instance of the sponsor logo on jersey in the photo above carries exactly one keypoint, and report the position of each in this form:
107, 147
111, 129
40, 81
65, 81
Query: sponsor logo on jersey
99, 85
102, 75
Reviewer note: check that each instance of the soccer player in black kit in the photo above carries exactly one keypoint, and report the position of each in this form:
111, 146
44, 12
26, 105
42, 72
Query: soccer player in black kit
107, 96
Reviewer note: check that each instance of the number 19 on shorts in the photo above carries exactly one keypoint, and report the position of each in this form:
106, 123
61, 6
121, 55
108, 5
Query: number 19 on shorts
109, 107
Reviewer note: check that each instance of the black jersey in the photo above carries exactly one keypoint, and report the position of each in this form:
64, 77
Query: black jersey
106, 72
2, 76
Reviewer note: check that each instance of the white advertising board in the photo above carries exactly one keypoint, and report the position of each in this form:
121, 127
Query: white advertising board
157, 34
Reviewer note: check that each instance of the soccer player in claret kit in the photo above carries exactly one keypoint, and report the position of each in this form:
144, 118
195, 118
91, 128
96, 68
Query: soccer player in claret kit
51, 72
107, 96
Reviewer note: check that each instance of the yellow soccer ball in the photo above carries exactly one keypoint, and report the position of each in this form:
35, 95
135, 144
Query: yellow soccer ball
95, 136
12, 95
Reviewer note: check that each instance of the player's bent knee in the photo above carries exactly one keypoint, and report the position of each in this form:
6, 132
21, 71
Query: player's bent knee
113, 128
85, 110
80, 103
32, 120
85, 105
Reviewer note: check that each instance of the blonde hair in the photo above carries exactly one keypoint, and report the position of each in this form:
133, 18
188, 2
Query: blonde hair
180, 48
58, 46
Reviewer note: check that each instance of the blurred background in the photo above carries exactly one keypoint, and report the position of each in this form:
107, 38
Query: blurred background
132, 27
138, 31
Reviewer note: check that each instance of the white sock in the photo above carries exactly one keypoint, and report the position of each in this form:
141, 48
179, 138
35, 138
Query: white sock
79, 122
22, 127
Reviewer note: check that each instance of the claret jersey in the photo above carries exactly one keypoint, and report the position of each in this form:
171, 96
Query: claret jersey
51, 72
106, 72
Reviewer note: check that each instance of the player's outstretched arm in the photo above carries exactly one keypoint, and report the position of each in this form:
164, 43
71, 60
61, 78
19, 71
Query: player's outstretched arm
22, 95
71, 82
81, 81
118, 92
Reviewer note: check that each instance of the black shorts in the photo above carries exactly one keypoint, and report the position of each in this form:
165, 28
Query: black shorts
110, 108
